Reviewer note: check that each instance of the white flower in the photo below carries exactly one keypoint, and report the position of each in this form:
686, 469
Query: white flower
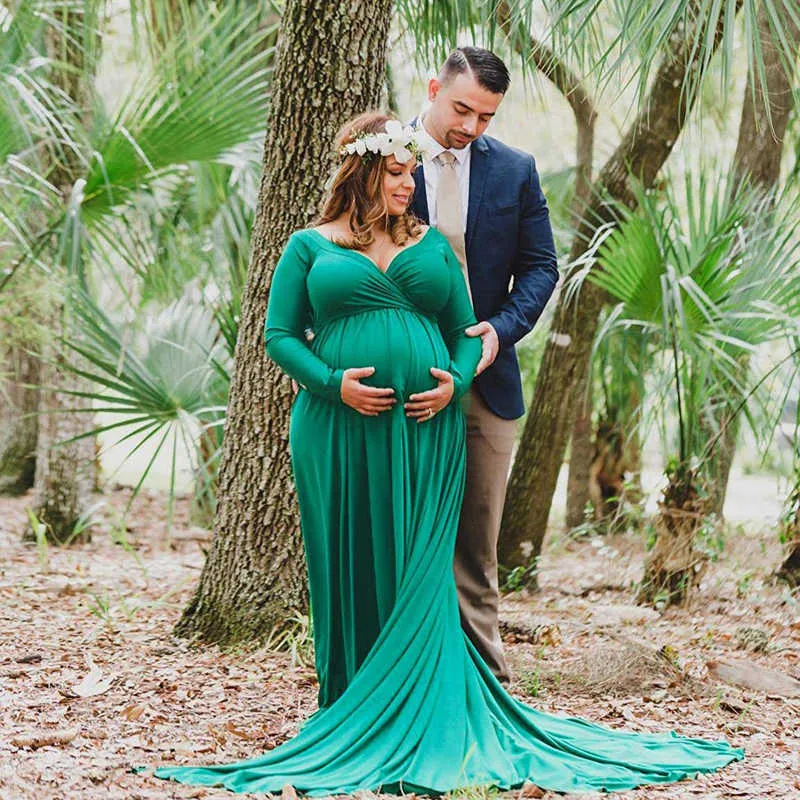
394, 129
401, 142
402, 154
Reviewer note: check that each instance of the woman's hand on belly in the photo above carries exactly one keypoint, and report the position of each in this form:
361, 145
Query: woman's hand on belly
424, 405
367, 400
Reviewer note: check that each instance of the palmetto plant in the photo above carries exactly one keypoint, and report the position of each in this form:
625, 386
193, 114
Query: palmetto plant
608, 42
166, 381
705, 281
161, 203
201, 101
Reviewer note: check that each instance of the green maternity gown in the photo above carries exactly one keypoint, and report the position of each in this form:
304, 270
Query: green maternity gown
406, 703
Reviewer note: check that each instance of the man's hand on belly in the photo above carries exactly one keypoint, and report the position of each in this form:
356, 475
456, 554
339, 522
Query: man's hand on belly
490, 342
423, 405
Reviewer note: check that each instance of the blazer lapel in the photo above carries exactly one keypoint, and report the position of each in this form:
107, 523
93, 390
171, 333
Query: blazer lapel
420, 200
478, 172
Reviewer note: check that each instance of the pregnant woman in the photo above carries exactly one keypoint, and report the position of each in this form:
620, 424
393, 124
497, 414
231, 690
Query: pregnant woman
378, 450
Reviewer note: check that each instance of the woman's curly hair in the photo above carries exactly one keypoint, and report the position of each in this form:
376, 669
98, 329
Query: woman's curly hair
356, 190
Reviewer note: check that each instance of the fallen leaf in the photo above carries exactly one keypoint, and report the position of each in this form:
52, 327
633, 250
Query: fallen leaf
231, 728
30, 658
93, 683
132, 713
45, 738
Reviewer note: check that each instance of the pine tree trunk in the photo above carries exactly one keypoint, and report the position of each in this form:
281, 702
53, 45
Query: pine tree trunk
641, 153
19, 425
758, 159
329, 66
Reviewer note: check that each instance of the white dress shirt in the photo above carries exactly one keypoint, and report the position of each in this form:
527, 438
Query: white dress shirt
432, 170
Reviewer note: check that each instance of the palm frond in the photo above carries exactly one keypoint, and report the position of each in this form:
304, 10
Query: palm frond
706, 279
167, 379
206, 95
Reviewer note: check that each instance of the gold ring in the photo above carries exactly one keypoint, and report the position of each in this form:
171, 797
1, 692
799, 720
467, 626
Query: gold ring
430, 413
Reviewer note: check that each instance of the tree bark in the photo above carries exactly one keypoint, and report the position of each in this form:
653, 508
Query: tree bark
329, 66
762, 132
19, 425
581, 457
789, 570
65, 472
641, 154
674, 566
574, 92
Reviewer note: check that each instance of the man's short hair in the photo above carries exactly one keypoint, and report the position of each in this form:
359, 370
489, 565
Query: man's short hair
487, 68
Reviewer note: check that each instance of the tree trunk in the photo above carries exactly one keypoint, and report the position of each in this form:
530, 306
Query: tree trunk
641, 154
65, 472
585, 118
674, 566
615, 470
19, 425
329, 66
758, 160
607, 471
789, 570
581, 455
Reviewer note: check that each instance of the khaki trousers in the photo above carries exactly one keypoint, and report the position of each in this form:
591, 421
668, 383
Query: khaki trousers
490, 441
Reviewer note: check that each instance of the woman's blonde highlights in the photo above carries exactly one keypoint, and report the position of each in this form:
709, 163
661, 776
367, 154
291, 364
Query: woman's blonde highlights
357, 191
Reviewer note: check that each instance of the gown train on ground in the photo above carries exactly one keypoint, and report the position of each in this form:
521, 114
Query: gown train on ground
406, 703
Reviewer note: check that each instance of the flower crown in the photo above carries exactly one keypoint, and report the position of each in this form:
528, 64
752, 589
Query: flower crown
401, 142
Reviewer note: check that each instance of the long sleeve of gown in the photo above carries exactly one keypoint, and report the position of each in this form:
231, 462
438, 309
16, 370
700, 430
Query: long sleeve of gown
288, 315
456, 316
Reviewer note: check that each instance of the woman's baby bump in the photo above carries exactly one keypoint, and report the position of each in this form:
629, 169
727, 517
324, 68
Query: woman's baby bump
401, 345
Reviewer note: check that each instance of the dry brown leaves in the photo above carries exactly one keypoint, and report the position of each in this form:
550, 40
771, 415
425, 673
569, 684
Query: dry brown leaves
92, 683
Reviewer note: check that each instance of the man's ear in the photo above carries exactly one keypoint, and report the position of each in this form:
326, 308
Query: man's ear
433, 88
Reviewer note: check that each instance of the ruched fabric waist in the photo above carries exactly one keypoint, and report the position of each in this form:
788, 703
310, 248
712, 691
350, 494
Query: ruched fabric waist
320, 327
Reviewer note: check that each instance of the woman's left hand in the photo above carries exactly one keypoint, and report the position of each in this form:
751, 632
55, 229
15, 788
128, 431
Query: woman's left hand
424, 405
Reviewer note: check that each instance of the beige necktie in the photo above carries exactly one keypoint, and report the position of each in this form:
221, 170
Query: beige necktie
448, 210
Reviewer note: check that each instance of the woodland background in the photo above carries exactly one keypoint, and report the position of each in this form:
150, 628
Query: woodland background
651, 538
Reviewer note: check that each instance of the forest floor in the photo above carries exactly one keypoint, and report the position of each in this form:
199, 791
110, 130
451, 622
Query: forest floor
92, 683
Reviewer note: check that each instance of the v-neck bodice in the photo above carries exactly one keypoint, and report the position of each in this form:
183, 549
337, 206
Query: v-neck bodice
402, 321
370, 259
342, 282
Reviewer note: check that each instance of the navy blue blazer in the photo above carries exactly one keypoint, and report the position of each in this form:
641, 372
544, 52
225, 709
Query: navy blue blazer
508, 237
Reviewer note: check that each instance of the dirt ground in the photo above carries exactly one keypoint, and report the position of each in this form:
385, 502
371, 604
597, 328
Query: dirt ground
95, 620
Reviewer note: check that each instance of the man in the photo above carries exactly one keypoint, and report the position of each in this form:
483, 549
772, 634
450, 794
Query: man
486, 198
